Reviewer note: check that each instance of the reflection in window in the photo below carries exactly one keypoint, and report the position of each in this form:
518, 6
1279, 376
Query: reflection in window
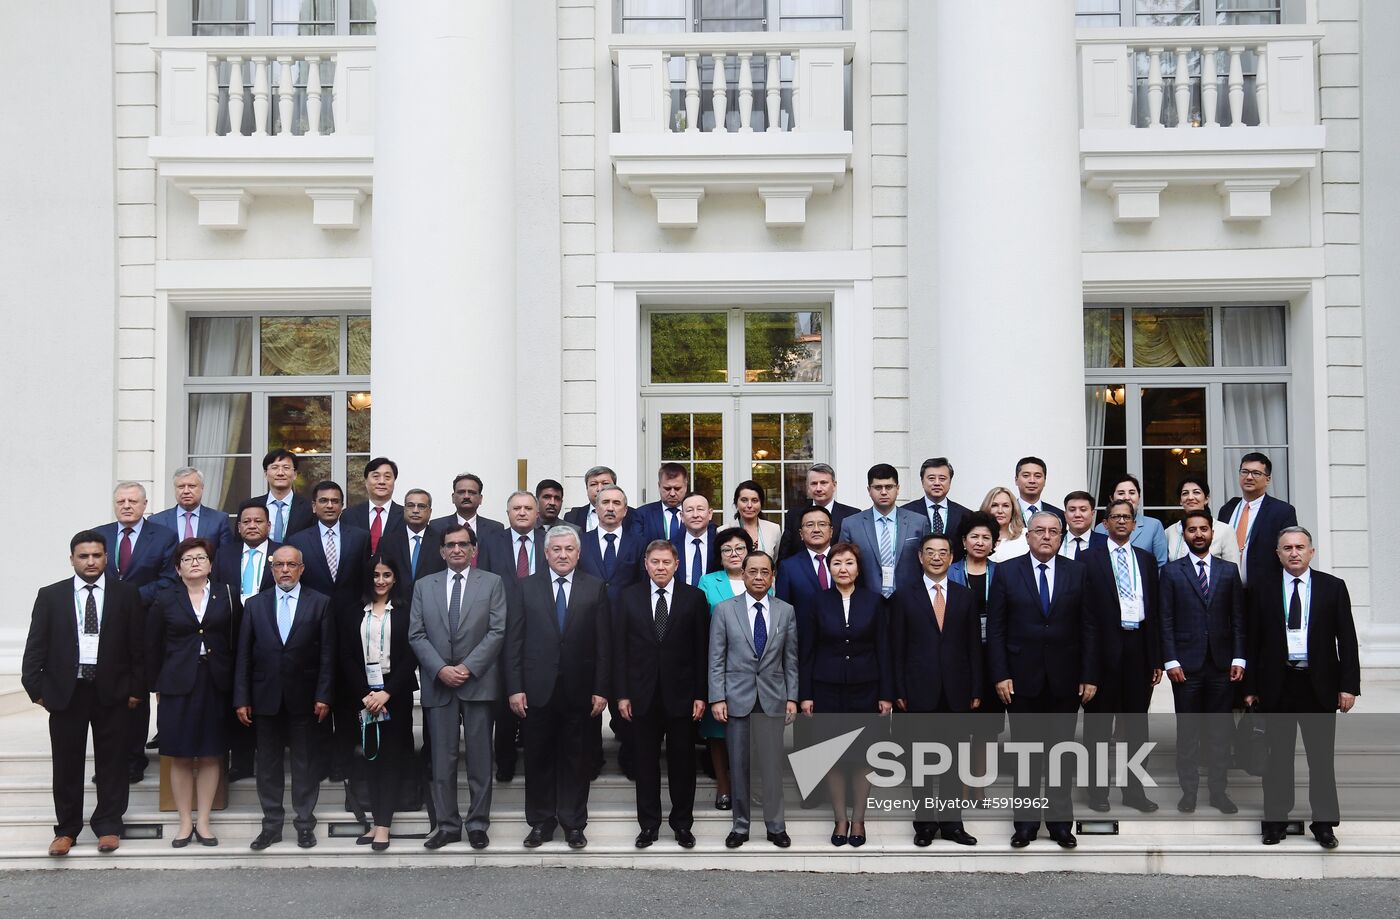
1096, 13
1103, 338
302, 424
1107, 433
689, 348
358, 346
1171, 337
1248, 12
1256, 418
782, 445
696, 441
783, 347
357, 415
1168, 12
221, 347
221, 17
362, 17
300, 345
303, 17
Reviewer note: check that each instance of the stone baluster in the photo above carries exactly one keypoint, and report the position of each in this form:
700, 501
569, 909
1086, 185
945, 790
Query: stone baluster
260, 84
235, 95
719, 89
1236, 87
793, 124
286, 94
1182, 88
211, 105
1261, 83
773, 90
1208, 87
692, 92
313, 95
1154, 87
745, 92
666, 91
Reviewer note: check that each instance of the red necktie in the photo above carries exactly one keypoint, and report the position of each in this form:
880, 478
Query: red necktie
124, 551
376, 530
522, 561
821, 572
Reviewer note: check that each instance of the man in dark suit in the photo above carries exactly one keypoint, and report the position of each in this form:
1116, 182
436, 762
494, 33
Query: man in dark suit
944, 516
381, 514
1079, 524
661, 519
1123, 595
282, 685
467, 490
334, 556
696, 546
888, 536
1256, 519
559, 680
288, 512
1203, 643
549, 494
1030, 483
84, 664
1304, 667
660, 674
139, 553
189, 517
585, 516
936, 642
804, 574
1042, 650
821, 491
415, 547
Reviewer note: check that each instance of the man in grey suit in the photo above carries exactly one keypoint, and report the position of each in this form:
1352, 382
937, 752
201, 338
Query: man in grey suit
457, 627
888, 536
753, 671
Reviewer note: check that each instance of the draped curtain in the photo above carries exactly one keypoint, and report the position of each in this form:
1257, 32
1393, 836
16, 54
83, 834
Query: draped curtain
217, 419
1103, 347
1256, 414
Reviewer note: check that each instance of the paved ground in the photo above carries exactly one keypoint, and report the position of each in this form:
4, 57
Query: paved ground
519, 893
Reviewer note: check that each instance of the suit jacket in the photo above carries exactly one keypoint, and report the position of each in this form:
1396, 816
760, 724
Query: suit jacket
954, 519
395, 544
1190, 624
569, 666
152, 567
484, 525
1042, 654
626, 571
1102, 589
860, 529
932, 664
271, 676
792, 525
655, 521
1334, 661
1148, 534
174, 634
299, 516
686, 548
499, 550
345, 588
1261, 552
401, 680
211, 524
228, 569
676, 666
359, 517
741, 678
477, 643
578, 517
797, 581
831, 651
49, 669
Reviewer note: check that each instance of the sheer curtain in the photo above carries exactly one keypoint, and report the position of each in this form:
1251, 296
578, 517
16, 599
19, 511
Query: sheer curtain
1096, 354
216, 419
1256, 414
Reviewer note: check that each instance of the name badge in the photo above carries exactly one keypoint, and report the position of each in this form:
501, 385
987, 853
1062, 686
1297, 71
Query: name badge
374, 675
87, 648
887, 575
1297, 644
984, 629
1131, 613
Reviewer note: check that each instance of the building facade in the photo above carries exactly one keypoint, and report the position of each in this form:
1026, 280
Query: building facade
521, 238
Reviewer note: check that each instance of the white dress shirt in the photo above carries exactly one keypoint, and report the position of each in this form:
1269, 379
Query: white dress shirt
450, 579
261, 549
1248, 533
568, 584
1305, 595
603, 542
1026, 507
690, 547
1049, 574
292, 596
817, 565
669, 590
515, 543
929, 505
1137, 611
749, 602
375, 638
1067, 546
591, 522
80, 596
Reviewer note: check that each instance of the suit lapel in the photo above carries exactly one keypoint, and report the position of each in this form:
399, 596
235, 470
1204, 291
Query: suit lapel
1028, 571
1191, 576
743, 613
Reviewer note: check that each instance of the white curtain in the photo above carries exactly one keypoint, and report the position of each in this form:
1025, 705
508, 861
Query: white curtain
1256, 414
217, 349
1096, 353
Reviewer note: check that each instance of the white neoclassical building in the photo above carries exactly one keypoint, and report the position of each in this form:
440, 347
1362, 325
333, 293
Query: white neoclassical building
521, 238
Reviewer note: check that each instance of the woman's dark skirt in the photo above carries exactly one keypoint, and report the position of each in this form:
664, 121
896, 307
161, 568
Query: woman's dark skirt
196, 723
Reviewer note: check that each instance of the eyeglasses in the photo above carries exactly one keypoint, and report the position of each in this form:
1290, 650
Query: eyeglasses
816, 525
1119, 518
1253, 474
416, 505
732, 550
458, 545
191, 559
1046, 531
936, 553
286, 564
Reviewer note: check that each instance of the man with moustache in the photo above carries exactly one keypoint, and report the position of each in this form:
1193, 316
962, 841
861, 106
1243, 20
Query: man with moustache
467, 491
414, 546
585, 516
550, 495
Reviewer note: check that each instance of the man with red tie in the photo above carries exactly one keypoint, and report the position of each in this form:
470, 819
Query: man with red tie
804, 574
380, 514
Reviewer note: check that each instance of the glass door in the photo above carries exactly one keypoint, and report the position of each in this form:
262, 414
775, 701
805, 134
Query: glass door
780, 438
698, 433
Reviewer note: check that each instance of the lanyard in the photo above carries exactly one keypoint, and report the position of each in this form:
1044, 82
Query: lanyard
1132, 566
383, 624
1304, 597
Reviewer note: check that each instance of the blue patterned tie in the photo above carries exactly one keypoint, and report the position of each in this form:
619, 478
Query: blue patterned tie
561, 603
1044, 592
674, 530
1204, 579
609, 555
760, 631
886, 542
696, 565
454, 605
284, 617
413, 562
250, 568
279, 525
1120, 573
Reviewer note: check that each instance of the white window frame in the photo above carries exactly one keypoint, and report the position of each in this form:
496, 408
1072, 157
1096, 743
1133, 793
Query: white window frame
1291, 12
181, 20
772, 18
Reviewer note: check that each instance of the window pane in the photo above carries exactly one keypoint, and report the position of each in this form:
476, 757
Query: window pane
1171, 337
1162, 472
696, 441
1252, 336
1173, 417
1278, 482
811, 15
354, 483
221, 347
1168, 12
1248, 12
357, 415
300, 345
708, 479
1106, 416
647, 9
731, 15
220, 17
1096, 13
358, 357
1105, 466
220, 437
227, 480
1256, 418
302, 424
782, 447
708, 434
1103, 338
689, 348
783, 347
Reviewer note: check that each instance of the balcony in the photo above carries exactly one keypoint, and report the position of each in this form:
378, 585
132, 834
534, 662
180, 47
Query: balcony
731, 113
1234, 107
242, 117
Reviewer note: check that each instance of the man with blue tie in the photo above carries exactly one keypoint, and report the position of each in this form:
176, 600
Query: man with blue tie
414, 545
1030, 484
885, 533
661, 519
1079, 524
287, 512
189, 517
697, 542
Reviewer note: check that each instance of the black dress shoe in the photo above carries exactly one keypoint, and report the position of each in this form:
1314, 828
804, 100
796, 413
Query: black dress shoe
960, 836
538, 836
153, 743
1099, 804
1273, 837
265, 839
179, 842
1187, 804
1022, 838
780, 839
646, 837
1064, 839
505, 775
857, 840
923, 838
238, 775
1326, 838
839, 839
1222, 803
306, 839
133, 777
210, 840
478, 839
723, 803
685, 839
379, 846
335, 775
575, 839
735, 840
1140, 802
365, 839
441, 838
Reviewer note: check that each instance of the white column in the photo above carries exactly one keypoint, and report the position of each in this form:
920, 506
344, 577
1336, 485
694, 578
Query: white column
443, 374
1008, 287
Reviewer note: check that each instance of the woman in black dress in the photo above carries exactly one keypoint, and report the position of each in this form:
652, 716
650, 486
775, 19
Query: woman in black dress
190, 631
844, 668
975, 571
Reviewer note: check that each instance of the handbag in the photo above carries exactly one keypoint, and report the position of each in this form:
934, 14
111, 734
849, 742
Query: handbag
1251, 745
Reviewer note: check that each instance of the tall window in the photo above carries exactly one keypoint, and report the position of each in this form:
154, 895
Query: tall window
1151, 13
255, 383
1173, 390
274, 17
633, 16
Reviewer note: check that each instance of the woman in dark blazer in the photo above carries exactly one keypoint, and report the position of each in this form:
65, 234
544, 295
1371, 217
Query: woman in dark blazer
844, 668
976, 571
191, 648
377, 669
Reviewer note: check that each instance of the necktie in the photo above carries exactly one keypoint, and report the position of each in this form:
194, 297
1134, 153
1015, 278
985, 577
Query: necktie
1121, 574
1044, 591
1078, 546
454, 604
561, 603
284, 617
376, 530
332, 556
279, 523
609, 555
522, 559
89, 671
937, 519
662, 614
250, 572
1295, 606
124, 551
675, 527
697, 564
413, 561
822, 580
475, 556
939, 605
760, 631
1203, 578
189, 525
1242, 529
886, 542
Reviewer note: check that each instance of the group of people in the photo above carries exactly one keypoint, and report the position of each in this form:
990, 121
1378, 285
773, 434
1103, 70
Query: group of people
308, 626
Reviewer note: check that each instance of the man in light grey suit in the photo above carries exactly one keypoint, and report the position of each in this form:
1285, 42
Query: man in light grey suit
887, 535
457, 627
753, 671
